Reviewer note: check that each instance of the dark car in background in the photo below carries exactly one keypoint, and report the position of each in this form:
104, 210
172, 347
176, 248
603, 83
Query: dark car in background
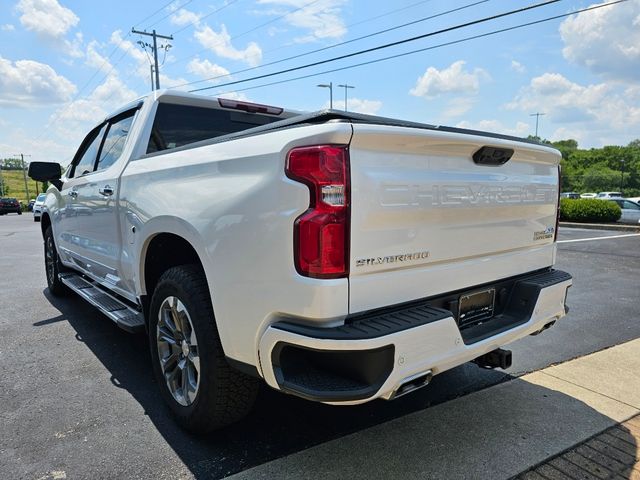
10, 205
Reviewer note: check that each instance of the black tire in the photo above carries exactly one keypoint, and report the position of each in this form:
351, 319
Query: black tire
36, 219
19, 213
52, 266
223, 395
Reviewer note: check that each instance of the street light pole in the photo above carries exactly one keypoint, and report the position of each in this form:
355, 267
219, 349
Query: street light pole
537, 115
24, 175
330, 87
346, 87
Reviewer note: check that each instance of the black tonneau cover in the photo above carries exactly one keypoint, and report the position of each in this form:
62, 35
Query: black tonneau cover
326, 116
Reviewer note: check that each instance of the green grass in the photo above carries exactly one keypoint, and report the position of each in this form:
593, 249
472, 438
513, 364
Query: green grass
14, 181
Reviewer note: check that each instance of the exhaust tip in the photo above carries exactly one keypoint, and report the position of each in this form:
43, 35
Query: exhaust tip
413, 383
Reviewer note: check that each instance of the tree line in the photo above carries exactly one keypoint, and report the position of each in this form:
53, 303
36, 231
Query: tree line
610, 168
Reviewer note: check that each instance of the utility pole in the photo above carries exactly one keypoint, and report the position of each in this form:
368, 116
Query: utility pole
151, 67
537, 115
330, 87
346, 87
622, 176
1, 180
154, 47
24, 174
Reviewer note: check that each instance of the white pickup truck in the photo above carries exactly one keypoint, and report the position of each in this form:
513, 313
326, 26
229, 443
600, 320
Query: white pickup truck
337, 257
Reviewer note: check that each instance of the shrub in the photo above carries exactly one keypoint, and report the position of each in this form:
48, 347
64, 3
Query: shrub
589, 210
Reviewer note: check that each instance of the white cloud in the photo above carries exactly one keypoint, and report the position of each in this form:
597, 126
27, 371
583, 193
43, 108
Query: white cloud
73, 121
127, 46
370, 107
7, 27
453, 79
520, 129
606, 41
73, 48
555, 95
599, 114
206, 69
220, 44
458, 106
241, 97
96, 60
185, 17
30, 83
321, 19
517, 67
46, 17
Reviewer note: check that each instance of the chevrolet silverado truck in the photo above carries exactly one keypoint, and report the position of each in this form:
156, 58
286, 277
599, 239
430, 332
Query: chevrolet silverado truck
335, 256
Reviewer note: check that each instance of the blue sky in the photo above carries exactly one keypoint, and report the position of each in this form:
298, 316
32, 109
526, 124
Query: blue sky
64, 64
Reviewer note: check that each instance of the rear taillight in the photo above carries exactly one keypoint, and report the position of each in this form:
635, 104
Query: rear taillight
555, 232
321, 234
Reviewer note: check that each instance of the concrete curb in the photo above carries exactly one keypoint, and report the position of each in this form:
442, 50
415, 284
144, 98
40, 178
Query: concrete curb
601, 226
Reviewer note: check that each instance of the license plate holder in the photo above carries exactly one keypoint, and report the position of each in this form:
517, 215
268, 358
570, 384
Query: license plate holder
476, 307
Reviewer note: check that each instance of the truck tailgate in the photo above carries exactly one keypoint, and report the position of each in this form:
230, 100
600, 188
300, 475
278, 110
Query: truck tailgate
426, 219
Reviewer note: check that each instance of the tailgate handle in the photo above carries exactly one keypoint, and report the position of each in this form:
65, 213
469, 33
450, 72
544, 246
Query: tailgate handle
492, 156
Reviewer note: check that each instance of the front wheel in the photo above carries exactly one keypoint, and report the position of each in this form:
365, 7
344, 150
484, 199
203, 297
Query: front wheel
53, 267
203, 392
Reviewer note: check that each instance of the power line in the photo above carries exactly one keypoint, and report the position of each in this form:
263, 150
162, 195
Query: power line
154, 13
227, 4
387, 45
170, 13
433, 47
154, 48
360, 22
304, 54
257, 27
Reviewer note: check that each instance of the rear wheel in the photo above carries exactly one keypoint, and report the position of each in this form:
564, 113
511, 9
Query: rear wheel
202, 390
53, 266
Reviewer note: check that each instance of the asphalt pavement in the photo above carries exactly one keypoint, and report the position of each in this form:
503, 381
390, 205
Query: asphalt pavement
78, 395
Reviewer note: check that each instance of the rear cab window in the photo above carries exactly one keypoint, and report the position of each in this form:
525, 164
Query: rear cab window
178, 125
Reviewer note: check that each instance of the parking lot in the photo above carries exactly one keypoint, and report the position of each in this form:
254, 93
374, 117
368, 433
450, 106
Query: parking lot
78, 397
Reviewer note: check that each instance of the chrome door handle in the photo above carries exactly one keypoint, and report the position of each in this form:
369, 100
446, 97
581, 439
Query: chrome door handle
73, 194
107, 190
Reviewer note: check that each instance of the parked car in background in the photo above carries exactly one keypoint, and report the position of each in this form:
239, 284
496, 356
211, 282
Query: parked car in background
37, 207
607, 195
630, 210
10, 205
572, 195
588, 195
30, 204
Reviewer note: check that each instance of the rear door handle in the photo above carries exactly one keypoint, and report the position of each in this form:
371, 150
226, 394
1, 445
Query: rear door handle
107, 190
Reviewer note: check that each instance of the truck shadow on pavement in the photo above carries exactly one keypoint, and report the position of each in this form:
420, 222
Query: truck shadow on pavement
281, 425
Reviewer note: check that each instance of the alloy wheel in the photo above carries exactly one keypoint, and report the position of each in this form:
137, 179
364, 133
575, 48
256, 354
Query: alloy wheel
178, 351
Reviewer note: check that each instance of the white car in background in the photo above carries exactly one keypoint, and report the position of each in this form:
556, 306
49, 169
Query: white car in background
37, 207
608, 195
588, 195
630, 210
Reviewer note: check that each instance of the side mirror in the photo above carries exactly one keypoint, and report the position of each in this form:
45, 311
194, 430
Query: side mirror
46, 172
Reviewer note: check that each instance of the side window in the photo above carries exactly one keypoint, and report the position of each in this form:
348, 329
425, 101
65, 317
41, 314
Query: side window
85, 161
114, 141
630, 205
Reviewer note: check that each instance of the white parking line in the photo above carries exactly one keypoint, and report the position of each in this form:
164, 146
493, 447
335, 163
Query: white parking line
599, 238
